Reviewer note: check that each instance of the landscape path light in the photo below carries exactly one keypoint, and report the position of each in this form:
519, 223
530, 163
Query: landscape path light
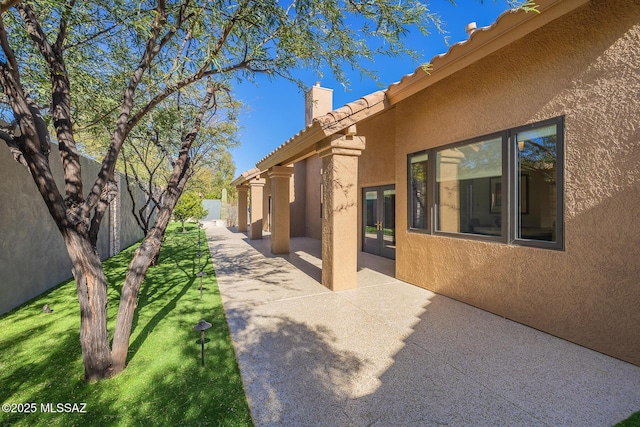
202, 326
200, 274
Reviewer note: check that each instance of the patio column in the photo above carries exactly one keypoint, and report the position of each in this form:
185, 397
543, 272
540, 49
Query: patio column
280, 215
242, 208
257, 187
339, 155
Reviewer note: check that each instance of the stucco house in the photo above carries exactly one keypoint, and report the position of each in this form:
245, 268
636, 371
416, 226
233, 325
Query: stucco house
506, 177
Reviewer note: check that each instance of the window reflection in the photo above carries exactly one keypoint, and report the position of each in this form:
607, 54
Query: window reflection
418, 187
469, 188
536, 189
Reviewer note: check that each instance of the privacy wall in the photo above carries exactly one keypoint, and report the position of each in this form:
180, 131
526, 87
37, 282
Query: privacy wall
33, 257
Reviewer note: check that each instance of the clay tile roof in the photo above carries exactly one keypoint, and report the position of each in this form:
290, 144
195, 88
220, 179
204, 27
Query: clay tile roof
331, 123
508, 27
245, 176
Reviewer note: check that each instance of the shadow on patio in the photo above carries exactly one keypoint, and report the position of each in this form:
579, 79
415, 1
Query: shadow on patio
389, 353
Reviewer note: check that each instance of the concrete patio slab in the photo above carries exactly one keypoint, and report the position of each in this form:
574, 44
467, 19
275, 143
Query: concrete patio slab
392, 354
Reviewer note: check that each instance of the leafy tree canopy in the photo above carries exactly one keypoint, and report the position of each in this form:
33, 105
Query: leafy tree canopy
138, 81
189, 207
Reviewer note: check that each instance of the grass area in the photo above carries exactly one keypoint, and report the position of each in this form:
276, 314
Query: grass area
163, 384
632, 421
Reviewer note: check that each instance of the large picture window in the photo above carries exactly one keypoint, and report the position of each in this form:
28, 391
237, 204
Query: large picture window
504, 187
469, 190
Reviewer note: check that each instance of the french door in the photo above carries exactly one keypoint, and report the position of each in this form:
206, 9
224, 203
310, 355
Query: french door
379, 220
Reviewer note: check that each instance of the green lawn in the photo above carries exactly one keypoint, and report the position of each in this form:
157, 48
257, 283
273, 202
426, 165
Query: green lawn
632, 421
163, 385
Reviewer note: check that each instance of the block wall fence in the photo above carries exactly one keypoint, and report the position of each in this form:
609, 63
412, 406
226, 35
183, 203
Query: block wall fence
33, 258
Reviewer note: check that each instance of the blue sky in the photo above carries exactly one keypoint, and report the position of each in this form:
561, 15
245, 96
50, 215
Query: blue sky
274, 110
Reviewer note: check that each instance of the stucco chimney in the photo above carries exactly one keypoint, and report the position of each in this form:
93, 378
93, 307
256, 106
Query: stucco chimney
318, 101
470, 28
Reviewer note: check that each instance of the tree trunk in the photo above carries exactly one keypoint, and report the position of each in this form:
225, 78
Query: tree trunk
91, 284
142, 259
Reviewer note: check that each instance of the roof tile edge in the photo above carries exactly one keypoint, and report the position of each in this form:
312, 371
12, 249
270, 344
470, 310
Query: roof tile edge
482, 41
325, 125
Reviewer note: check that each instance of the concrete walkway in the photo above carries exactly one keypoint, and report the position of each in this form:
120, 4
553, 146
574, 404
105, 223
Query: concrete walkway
392, 354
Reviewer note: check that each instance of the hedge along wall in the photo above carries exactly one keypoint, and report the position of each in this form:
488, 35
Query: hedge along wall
33, 257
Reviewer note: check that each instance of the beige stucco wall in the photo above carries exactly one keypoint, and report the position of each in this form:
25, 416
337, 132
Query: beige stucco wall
376, 166
585, 66
266, 196
313, 183
298, 183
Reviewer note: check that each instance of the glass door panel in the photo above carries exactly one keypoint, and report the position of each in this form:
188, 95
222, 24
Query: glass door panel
388, 231
379, 221
370, 236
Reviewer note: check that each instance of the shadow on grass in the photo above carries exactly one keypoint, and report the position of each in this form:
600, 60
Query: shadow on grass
177, 268
164, 384
151, 324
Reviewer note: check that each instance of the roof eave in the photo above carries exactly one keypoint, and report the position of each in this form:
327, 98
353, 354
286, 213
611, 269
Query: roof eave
245, 177
303, 144
286, 153
508, 27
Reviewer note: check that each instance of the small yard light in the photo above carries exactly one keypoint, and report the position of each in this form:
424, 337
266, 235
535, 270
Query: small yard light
200, 274
202, 326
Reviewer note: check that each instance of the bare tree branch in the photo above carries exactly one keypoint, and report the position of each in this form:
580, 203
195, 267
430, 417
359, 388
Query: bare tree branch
110, 192
123, 127
61, 99
62, 32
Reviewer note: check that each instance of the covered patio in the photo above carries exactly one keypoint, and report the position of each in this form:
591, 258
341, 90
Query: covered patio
390, 353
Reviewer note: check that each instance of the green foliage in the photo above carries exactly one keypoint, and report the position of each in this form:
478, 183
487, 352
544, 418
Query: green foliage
134, 73
164, 384
189, 207
225, 39
212, 180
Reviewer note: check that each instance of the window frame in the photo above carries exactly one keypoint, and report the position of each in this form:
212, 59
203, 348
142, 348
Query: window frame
509, 214
429, 194
470, 236
558, 244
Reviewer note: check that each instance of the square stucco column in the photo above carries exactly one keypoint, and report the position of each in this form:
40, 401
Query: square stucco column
242, 208
257, 189
280, 210
339, 156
